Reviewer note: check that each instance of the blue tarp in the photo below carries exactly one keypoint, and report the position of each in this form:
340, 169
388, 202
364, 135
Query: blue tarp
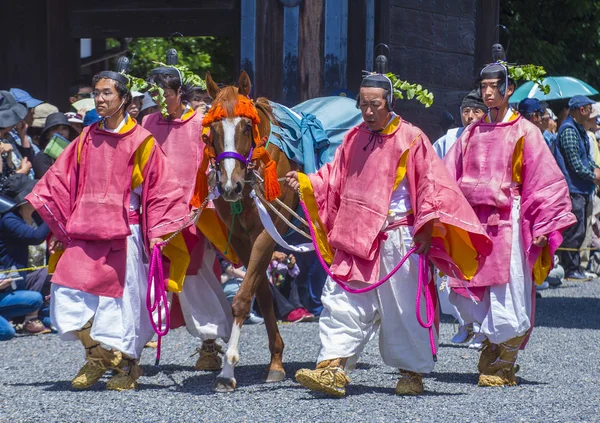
310, 132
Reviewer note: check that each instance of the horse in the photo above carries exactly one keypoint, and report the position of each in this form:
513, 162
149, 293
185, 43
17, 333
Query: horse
232, 140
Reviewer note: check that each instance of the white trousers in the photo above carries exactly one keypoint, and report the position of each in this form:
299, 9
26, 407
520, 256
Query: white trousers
505, 311
443, 294
205, 308
119, 323
349, 321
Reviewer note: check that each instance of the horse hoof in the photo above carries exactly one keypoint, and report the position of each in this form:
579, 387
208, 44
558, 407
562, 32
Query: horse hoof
224, 384
275, 376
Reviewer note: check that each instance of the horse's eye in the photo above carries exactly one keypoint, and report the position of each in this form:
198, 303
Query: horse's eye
248, 128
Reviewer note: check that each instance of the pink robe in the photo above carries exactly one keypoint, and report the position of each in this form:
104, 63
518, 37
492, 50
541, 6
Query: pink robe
353, 197
181, 140
86, 205
481, 162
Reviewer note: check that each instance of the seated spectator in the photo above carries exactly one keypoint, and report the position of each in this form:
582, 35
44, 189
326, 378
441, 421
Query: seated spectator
17, 233
231, 280
75, 120
40, 113
11, 113
135, 106
90, 118
79, 90
312, 277
282, 272
22, 143
200, 100
16, 303
148, 107
56, 124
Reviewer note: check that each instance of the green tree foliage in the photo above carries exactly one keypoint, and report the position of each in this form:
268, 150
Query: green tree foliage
560, 35
199, 54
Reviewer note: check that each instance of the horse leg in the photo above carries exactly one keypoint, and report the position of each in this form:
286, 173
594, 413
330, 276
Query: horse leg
260, 256
225, 381
276, 372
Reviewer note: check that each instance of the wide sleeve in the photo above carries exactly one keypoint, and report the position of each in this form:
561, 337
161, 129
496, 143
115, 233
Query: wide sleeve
545, 200
320, 192
453, 158
459, 243
54, 195
326, 185
164, 202
165, 210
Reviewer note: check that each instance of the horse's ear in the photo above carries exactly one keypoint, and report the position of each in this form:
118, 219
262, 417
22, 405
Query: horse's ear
244, 84
211, 86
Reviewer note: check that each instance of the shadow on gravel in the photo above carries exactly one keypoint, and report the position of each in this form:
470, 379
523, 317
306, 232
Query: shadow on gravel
168, 369
358, 389
471, 378
568, 312
61, 386
247, 376
464, 346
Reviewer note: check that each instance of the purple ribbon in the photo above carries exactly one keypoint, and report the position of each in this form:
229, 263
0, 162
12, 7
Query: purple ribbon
235, 155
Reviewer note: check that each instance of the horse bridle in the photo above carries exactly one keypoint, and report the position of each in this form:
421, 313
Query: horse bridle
237, 156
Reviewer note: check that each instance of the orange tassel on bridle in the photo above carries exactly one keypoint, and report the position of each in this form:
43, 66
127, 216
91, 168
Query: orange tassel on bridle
245, 107
271, 183
201, 189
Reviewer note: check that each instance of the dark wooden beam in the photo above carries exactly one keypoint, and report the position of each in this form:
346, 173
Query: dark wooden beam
268, 77
311, 49
24, 51
63, 53
357, 37
486, 31
151, 23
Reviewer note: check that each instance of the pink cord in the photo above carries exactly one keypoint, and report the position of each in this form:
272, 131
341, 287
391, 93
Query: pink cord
423, 281
156, 285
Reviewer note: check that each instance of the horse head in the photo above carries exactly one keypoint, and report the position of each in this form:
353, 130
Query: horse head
233, 121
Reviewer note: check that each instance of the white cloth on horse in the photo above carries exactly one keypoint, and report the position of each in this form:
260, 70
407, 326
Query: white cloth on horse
205, 308
349, 321
505, 311
119, 323
267, 222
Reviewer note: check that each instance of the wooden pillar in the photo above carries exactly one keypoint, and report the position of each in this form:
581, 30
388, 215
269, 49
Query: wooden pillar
291, 31
310, 61
487, 17
23, 56
63, 53
248, 37
336, 46
268, 76
357, 43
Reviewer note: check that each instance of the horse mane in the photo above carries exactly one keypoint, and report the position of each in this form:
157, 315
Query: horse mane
228, 104
262, 104
228, 98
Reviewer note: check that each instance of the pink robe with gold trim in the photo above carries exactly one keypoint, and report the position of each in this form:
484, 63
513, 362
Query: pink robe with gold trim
85, 203
482, 162
353, 195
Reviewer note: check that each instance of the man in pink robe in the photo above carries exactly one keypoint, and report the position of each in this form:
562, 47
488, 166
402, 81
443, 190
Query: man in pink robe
508, 175
204, 306
385, 190
108, 199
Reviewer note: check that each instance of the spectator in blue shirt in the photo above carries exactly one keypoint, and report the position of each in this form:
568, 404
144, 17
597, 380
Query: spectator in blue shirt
582, 175
17, 233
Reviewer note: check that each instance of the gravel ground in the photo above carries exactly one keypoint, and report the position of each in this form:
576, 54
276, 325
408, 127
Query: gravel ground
559, 379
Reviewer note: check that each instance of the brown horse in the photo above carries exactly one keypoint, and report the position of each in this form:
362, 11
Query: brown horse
251, 243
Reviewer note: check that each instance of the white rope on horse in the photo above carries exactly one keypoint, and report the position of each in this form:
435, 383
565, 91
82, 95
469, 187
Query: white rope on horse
269, 226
